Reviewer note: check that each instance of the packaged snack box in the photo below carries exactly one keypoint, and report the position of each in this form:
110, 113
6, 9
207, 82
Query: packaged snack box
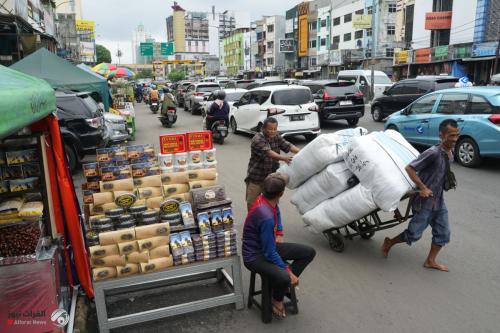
187, 214
216, 220
116, 172
145, 169
166, 160
209, 155
175, 244
90, 169
140, 151
21, 156
204, 223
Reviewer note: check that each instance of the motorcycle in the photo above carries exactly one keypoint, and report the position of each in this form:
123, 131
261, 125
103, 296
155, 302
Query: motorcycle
219, 130
138, 98
154, 106
169, 118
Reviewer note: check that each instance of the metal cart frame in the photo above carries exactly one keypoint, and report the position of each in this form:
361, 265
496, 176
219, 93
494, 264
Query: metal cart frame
366, 226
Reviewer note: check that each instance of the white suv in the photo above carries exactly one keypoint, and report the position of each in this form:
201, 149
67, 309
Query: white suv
292, 106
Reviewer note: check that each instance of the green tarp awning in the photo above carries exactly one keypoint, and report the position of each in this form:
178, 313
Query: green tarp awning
62, 74
24, 99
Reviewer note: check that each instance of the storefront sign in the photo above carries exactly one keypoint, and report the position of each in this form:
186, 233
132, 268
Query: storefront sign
303, 8
84, 25
462, 51
441, 52
303, 36
173, 143
287, 45
484, 49
353, 55
335, 58
401, 57
199, 140
438, 20
422, 55
361, 21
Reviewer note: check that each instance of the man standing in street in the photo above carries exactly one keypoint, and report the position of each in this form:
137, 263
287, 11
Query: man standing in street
431, 173
265, 157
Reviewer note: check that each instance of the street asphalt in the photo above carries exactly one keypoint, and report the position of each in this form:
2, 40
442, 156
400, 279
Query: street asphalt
358, 290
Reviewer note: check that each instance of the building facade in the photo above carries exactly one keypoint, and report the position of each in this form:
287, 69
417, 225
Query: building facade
234, 52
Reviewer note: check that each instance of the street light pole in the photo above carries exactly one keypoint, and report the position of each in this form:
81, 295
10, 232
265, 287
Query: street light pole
372, 76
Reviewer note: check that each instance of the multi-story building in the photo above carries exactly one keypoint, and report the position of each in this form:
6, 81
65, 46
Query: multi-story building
250, 49
25, 26
69, 7
274, 26
404, 22
312, 18
291, 33
234, 52
323, 39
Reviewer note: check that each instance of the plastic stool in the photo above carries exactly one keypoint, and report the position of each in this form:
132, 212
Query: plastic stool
265, 304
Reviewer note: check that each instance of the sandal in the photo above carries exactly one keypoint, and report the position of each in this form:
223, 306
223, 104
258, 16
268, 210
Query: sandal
279, 313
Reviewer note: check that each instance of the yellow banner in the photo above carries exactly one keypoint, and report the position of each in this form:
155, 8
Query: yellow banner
361, 21
303, 36
84, 25
400, 57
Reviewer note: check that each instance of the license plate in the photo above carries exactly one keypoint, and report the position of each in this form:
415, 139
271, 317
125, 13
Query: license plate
297, 117
221, 128
345, 102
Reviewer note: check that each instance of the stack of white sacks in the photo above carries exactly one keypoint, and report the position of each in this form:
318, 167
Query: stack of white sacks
320, 175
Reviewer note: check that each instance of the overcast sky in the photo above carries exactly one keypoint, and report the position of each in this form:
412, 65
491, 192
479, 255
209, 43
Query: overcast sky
116, 20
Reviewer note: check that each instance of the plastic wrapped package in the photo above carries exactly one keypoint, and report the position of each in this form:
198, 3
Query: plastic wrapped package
319, 153
379, 160
324, 185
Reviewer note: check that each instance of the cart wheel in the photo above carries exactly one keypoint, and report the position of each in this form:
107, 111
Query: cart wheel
365, 226
336, 242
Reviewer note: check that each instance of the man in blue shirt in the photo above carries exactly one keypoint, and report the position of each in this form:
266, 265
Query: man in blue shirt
263, 249
428, 173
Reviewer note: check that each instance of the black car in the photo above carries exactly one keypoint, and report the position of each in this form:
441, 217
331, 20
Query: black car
82, 125
404, 92
337, 100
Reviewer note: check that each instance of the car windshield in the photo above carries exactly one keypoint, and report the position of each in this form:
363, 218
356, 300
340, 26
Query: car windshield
292, 97
243, 84
234, 96
341, 89
273, 83
381, 79
207, 88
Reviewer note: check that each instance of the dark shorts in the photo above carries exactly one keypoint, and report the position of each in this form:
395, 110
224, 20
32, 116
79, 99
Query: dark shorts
437, 219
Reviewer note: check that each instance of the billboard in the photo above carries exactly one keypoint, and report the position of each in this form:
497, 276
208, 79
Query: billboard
87, 49
303, 36
361, 21
287, 45
85, 28
423, 55
438, 20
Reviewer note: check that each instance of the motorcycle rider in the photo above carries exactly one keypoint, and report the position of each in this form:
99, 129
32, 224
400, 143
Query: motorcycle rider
154, 95
219, 110
138, 91
168, 101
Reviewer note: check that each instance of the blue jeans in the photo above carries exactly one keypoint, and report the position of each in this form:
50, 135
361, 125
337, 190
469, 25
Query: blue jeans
437, 219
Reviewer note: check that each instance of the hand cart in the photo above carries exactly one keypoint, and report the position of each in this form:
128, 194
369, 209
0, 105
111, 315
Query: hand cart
366, 226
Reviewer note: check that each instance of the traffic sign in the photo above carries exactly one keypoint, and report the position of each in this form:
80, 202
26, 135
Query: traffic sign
167, 49
146, 49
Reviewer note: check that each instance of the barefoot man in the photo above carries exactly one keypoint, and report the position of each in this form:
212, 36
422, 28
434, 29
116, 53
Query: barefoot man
429, 172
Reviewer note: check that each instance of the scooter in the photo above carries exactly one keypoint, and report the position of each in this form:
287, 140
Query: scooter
154, 106
168, 119
219, 130
138, 98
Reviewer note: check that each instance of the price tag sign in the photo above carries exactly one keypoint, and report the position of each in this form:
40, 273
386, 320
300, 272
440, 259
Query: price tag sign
173, 143
199, 140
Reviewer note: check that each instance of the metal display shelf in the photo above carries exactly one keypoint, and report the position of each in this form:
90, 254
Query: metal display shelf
199, 271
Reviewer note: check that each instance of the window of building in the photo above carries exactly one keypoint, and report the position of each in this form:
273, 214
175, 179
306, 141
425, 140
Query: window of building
336, 21
312, 25
196, 43
313, 44
313, 62
323, 23
368, 32
270, 46
389, 52
189, 43
359, 12
369, 10
270, 61
391, 30
270, 28
335, 42
347, 37
323, 42
358, 34
347, 17
392, 8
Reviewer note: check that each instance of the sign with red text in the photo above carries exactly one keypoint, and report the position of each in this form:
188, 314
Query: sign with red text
199, 140
173, 143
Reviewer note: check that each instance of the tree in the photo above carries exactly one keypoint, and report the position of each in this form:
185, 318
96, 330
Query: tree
177, 75
102, 54
144, 74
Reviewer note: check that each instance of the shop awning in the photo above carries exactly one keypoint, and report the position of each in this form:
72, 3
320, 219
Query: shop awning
24, 99
62, 74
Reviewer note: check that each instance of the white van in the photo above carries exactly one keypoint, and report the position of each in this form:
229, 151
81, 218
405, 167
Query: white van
362, 79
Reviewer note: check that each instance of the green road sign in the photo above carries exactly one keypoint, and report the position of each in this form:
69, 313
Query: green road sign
167, 49
146, 49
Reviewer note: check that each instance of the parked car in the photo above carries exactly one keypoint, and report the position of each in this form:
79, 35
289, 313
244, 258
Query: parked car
82, 125
196, 96
233, 84
337, 100
116, 128
180, 90
402, 93
476, 110
293, 107
266, 83
232, 96
362, 78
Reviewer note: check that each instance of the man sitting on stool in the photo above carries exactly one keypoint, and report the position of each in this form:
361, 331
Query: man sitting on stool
263, 249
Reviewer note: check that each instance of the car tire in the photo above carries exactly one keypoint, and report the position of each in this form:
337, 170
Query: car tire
71, 157
185, 106
377, 114
467, 153
393, 127
234, 126
353, 121
310, 137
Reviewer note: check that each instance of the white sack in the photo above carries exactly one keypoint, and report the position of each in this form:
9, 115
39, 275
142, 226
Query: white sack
319, 153
379, 160
323, 185
345, 208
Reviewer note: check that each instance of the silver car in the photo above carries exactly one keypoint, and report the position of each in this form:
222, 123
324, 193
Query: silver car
197, 95
116, 128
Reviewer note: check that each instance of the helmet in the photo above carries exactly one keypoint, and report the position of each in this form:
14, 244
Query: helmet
166, 90
220, 94
153, 86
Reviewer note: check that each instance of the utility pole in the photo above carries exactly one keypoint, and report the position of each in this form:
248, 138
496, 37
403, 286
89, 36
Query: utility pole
495, 66
372, 76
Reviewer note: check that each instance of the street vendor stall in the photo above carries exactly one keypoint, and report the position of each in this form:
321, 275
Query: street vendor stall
159, 219
41, 243
123, 103
62, 74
